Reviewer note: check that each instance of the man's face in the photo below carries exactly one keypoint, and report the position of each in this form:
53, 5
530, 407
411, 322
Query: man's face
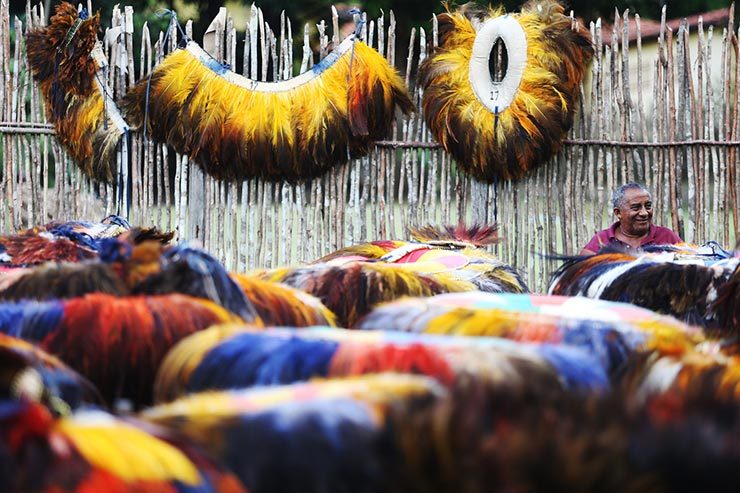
636, 212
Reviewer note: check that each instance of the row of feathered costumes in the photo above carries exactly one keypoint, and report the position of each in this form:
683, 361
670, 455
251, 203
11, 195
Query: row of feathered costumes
353, 280
496, 413
498, 390
137, 284
237, 128
698, 285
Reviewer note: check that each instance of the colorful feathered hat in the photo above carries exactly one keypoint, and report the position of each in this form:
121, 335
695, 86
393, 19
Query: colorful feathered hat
352, 289
503, 129
447, 251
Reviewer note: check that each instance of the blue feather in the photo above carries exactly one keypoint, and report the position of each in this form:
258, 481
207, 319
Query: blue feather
256, 359
10, 408
327, 446
117, 220
111, 250
68, 231
229, 365
30, 320
577, 368
611, 347
297, 360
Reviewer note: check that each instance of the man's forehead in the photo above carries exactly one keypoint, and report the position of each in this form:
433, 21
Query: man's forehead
636, 195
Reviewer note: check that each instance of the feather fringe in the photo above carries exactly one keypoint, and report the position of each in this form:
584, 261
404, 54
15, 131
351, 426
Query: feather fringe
727, 305
686, 288
609, 330
280, 305
319, 436
29, 373
225, 357
446, 252
474, 236
494, 436
65, 280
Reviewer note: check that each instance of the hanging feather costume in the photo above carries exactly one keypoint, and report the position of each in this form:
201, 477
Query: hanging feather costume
238, 128
65, 61
502, 130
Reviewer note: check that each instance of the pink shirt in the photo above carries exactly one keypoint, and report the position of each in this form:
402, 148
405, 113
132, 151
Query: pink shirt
657, 236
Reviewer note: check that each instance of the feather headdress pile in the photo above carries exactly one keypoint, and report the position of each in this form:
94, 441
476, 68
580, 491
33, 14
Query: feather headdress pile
65, 61
674, 283
502, 130
238, 128
448, 251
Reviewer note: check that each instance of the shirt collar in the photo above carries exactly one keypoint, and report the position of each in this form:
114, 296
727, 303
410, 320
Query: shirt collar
648, 239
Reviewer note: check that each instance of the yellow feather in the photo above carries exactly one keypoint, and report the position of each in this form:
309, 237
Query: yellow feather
180, 362
125, 451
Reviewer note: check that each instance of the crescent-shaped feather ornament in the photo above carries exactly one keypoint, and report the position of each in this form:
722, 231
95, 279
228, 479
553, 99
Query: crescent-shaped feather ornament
501, 129
238, 128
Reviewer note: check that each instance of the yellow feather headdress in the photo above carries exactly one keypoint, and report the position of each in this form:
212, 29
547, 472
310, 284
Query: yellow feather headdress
238, 128
66, 58
502, 129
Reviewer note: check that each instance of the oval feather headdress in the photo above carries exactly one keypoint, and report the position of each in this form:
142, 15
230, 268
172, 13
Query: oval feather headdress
65, 57
502, 129
237, 128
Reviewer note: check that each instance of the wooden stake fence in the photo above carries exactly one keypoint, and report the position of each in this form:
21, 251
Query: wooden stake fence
684, 147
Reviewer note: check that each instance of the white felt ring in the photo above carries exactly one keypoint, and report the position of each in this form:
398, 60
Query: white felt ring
497, 96
281, 86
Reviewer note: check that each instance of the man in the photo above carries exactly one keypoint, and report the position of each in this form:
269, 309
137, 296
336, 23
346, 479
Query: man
633, 207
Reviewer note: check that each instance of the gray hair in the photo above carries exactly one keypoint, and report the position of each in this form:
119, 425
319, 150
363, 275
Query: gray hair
618, 195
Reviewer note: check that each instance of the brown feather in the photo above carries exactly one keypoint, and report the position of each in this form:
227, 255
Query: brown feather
66, 74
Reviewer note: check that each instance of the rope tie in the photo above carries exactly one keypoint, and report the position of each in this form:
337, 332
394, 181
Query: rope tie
357, 34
